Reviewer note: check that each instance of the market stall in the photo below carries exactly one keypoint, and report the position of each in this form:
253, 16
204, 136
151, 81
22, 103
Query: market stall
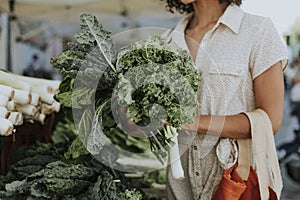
41, 153
36, 139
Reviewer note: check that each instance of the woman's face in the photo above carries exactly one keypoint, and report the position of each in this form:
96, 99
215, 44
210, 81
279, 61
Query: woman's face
187, 1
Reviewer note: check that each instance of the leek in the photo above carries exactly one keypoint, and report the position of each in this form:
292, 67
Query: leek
42, 87
56, 106
11, 80
43, 92
3, 112
26, 83
3, 100
48, 109
7, 91
22, 97
40, 117
6, 127
35, 100
11, 105
16, 118
27, 109
174, 156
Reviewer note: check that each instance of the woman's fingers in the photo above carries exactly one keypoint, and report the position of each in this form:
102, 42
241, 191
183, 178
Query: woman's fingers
192, 127
164, 122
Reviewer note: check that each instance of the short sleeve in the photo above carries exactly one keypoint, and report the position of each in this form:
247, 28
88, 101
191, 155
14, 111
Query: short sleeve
268, 49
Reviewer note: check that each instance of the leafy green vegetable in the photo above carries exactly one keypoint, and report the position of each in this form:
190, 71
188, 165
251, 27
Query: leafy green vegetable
82, 178
76, 149
158, 82
155, 80
87, 60
65, 131
133, 194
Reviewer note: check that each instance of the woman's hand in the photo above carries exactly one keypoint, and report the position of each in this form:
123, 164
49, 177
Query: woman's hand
195, 127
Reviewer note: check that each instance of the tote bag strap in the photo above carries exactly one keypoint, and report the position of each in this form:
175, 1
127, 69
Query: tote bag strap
244, 158
262, 145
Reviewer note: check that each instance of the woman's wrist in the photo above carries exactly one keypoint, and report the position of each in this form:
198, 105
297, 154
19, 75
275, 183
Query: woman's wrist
203, 123
234, 126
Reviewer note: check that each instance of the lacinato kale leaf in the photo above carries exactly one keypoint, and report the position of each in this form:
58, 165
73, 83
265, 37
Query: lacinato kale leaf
88, 60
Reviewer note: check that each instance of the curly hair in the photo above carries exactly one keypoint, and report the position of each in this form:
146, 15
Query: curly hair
176, 5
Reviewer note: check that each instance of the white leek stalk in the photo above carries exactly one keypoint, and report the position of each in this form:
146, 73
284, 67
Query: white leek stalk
27, 83
35, 100
28, 109
16, 118
52, 85
3, 112
13, 81
174, 156
48, 109
56, 106
43, 92
22, 97
40, 117
7, 91
11, 105
3, 100
6, 127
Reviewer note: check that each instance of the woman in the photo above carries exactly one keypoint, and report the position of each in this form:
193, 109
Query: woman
242, 60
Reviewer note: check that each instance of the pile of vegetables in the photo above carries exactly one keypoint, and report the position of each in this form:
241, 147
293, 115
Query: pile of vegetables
25, 99
151, 79
43, 173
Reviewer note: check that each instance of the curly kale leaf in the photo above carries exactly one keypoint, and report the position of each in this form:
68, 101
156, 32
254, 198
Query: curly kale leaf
153, 74
76, 149
157, 81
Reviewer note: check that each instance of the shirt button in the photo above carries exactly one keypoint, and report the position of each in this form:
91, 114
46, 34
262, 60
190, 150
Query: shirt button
195, 147
197, 173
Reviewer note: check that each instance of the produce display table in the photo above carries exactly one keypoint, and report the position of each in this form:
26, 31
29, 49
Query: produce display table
26, 134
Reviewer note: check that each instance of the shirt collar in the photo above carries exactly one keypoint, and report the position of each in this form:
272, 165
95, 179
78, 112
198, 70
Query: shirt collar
232, 17
179, 31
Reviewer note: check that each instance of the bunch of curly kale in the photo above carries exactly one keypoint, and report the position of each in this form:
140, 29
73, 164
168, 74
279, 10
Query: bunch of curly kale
148, 76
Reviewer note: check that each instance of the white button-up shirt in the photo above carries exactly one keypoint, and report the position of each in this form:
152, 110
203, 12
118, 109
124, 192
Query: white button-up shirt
239, 48
231, 55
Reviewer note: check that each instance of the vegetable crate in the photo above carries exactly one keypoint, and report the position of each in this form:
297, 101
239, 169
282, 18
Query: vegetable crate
26, 134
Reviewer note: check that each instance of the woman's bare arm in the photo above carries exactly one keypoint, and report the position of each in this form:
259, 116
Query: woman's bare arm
269, 96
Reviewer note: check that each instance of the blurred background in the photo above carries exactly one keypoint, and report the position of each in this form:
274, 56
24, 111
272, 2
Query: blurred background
33, 31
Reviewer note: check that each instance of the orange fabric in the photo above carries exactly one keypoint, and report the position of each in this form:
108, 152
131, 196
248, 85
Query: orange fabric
233, 187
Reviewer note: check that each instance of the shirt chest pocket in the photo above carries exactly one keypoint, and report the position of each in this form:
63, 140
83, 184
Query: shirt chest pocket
226, 78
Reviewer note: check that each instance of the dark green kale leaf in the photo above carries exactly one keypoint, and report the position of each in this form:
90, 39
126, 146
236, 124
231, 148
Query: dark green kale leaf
153, 74
88, 64
158, 81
